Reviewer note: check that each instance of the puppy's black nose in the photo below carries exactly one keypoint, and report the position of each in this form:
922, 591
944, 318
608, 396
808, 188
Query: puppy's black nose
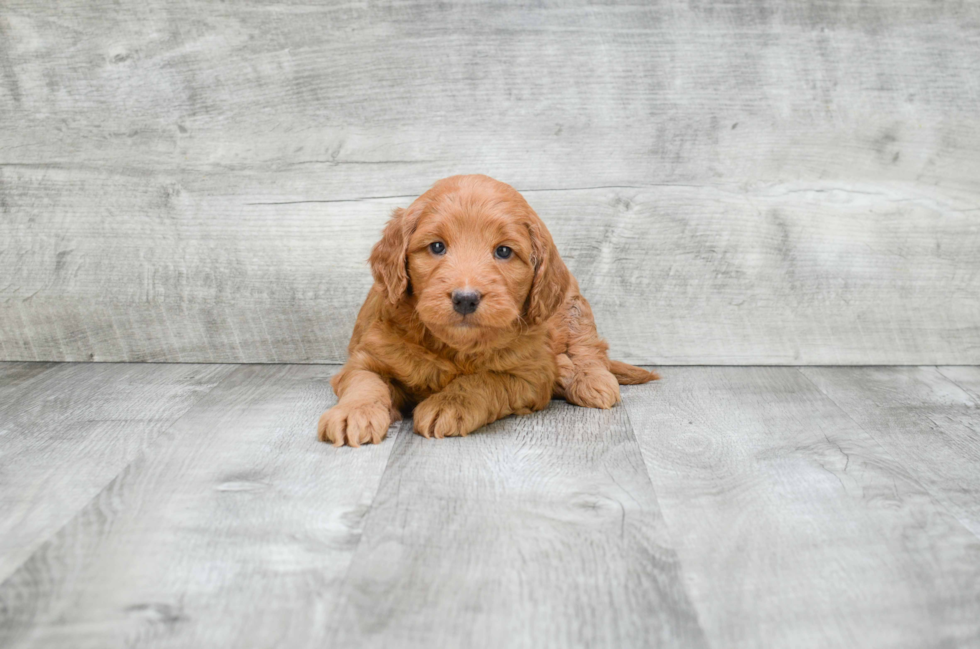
465, 301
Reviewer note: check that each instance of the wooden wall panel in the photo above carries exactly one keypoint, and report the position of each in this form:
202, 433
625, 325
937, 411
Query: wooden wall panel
787, 183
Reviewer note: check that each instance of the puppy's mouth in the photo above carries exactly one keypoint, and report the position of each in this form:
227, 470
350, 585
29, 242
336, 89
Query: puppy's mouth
466, 323
468, 333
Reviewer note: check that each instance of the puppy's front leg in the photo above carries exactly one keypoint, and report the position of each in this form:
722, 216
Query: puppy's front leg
363, 413
472, 400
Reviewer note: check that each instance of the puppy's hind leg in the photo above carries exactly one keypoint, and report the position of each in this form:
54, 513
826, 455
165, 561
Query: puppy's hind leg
583, 371
586, 376
591, 385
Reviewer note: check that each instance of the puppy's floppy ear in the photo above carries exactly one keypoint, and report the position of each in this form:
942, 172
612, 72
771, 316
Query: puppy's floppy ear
551, 277
389, 257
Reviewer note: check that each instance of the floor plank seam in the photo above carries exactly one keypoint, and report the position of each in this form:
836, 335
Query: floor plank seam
911, 476
339, 605
965, 391
673, 539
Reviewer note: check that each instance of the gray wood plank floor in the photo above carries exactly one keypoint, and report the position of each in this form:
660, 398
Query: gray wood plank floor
923, 416
190, 505
542, 532
71, 429
793, 525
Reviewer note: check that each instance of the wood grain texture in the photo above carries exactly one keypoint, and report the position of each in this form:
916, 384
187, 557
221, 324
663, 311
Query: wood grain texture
70, 430
924, 419
17, 379
774, 182
794, 526
537, 531
748, 510
234, 532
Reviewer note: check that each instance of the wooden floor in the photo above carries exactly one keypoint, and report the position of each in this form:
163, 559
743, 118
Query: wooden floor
191, 506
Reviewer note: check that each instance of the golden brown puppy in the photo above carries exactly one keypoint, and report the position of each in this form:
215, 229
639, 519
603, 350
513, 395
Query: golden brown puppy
473, 316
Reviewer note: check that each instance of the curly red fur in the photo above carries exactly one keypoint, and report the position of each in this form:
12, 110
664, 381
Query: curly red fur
531, 337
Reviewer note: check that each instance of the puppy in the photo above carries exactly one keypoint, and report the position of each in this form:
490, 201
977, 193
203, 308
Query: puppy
473, 316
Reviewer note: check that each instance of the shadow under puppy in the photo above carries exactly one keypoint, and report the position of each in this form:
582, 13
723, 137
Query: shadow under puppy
473, 316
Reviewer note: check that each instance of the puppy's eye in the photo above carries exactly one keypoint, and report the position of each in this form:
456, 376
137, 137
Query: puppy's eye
503, 252
437, 247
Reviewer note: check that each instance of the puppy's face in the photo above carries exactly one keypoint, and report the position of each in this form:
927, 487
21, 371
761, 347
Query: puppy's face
479, 263
470, 264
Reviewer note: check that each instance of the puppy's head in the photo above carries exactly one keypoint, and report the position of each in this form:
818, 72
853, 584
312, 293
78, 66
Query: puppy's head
475, 258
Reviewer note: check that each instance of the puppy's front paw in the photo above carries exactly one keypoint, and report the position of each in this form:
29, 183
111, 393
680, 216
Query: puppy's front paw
594, 387
354, 424
443, 415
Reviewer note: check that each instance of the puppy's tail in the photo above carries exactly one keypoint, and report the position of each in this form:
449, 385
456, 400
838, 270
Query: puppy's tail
630, 374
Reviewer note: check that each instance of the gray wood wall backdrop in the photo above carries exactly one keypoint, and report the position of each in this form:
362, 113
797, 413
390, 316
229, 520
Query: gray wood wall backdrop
782, 182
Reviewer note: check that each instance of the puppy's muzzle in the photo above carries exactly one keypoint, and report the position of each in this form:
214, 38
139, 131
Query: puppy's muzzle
465, 302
